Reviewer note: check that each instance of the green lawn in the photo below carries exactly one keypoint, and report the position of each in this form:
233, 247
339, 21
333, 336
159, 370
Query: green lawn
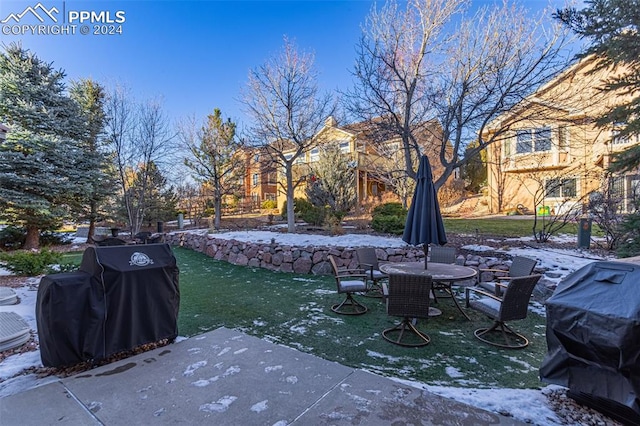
505, 227
293, 310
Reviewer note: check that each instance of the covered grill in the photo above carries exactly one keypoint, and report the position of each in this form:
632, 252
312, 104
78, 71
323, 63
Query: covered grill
593, 338
122, 297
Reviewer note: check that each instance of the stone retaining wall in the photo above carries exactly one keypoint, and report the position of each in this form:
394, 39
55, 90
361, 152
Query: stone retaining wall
283, 258
308, 259
313, 259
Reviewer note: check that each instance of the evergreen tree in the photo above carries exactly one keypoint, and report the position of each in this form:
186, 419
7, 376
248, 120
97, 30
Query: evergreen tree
98, 183
333, 183
612, 28
215, 158
474, 173
39, 160
161, 198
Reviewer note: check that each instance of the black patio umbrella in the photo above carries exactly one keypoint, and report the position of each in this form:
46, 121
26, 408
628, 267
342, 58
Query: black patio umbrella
424, 221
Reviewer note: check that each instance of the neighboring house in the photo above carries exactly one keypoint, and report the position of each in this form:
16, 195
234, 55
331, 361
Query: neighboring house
260, 178
372, 153
550, 155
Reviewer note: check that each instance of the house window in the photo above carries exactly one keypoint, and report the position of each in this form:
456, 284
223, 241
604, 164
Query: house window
533, 140
616, 139
255, 179
393, 147
563, 138
345, 147
314, 155
524, 141
616, 187
561, 188
624, 191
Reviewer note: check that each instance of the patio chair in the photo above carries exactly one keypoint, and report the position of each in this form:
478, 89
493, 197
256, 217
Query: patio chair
142, 237
520, 266
110, 241
407, 297
349, 281
446, 255
368, 262
439, 254
513, 305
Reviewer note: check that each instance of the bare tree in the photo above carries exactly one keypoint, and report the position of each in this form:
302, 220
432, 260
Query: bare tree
214, 158
288, 110
138, 134
608, 210
193, 201
409, 71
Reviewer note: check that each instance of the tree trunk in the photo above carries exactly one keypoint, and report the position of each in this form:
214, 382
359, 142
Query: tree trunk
217, 214
92, 230
92, 223
291, 218
33, 238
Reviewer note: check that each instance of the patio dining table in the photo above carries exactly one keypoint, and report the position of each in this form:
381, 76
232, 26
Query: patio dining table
443, 273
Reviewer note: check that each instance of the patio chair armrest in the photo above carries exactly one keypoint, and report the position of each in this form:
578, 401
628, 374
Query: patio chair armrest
352, 275
367, 266
480, 291
494, 270
502, 285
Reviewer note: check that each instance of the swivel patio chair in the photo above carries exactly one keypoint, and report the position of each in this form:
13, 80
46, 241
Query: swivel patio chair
513, 305
349, 281
368, 262
520, 266
445, 255
407, 297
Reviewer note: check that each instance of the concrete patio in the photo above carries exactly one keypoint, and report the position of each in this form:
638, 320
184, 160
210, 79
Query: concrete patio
225, 377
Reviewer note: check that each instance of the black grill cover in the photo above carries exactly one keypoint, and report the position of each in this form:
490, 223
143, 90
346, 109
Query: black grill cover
141, 292
593, 333
70, 314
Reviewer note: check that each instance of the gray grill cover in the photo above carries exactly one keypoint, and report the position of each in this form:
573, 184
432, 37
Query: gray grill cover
593, 333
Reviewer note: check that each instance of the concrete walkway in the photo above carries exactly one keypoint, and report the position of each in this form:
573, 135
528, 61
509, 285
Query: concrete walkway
225, 377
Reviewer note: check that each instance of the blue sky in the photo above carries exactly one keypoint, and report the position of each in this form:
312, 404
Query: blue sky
195, 55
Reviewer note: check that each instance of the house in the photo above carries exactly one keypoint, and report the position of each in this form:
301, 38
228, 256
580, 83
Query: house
260, 177
373, 150
549, 156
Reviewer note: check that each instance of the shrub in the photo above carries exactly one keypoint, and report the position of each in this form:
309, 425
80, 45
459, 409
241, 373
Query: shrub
389, 218
30, 263
12, 237
300, 207
389, 209
269, 205
314, 215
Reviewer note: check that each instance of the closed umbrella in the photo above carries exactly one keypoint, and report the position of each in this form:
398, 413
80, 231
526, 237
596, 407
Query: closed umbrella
424, 221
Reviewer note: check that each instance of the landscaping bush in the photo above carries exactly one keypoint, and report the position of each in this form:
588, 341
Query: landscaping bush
389, 209
269, 205
299, 205
314, 216
12, 237
389, 218
31, 263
